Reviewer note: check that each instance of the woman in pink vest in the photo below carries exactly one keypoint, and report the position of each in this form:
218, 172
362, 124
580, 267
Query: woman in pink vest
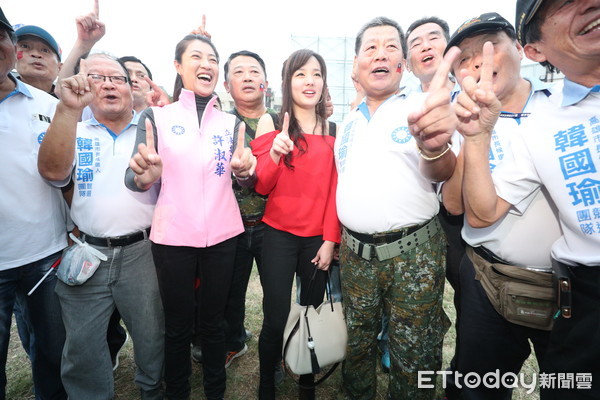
296, 169
193, 148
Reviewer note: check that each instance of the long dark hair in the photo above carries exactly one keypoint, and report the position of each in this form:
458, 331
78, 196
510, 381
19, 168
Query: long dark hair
179, 50
294, 62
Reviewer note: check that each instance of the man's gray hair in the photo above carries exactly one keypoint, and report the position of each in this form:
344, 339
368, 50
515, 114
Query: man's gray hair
374, 23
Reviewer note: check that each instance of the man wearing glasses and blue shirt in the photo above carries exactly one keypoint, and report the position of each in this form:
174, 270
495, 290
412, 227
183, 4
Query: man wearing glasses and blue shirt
113, 220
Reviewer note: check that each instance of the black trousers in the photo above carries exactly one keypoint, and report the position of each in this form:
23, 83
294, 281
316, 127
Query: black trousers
284, 256
176, 268
455, 251
488, 341
115, 335
574, 349
249, 248
452, 225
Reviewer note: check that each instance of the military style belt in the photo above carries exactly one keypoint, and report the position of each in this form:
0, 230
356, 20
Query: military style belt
411, 239
118, 241
385, 237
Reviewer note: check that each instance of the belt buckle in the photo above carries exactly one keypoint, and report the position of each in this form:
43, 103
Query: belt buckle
110, 240
359, 247
382, 252
369, 249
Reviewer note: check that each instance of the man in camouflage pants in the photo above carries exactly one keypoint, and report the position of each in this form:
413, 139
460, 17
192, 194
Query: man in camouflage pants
393, 249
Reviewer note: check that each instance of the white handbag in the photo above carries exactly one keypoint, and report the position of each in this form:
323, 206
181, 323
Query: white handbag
315, 338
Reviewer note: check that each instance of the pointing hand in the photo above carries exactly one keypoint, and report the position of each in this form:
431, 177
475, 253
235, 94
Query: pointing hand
282, 144
146, 163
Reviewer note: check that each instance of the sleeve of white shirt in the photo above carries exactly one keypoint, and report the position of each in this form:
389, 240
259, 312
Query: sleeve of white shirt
516, 178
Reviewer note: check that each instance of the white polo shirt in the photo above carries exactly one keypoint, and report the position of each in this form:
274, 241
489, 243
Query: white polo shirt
102, 206
521, 239
379, 186
32, 212
560, 149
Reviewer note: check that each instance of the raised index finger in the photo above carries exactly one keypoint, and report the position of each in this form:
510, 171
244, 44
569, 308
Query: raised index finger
286, 123
97, 8
83, 67
153, 85
487, 66
204, 22
83, 72
241, 138
440, 79
150, 136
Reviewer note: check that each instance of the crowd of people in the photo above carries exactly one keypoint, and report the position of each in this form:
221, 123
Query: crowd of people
478, 176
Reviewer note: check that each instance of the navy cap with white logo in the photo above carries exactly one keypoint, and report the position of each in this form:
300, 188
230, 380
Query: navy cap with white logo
484, 23
526, 9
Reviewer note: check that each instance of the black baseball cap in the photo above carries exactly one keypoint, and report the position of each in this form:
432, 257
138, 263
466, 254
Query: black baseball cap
36, 31
4, 22
484, 23
526, 9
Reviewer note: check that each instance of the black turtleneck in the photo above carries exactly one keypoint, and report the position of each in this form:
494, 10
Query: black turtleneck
201, 103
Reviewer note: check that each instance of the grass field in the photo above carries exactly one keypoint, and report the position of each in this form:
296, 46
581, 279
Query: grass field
242, 375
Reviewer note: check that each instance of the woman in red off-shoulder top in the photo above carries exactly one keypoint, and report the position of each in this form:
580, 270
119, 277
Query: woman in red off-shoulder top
296, 169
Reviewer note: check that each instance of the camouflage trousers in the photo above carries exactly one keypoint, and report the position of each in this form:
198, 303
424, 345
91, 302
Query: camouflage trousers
411, 288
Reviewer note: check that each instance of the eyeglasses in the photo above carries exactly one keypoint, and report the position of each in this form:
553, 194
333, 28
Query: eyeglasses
117, 80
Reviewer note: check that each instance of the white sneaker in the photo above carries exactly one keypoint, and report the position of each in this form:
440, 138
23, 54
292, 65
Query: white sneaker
232, 355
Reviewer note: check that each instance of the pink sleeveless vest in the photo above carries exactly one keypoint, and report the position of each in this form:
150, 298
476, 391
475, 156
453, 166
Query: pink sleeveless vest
196, 206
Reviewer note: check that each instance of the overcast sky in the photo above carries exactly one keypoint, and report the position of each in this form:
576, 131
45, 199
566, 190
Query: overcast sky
150, 30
